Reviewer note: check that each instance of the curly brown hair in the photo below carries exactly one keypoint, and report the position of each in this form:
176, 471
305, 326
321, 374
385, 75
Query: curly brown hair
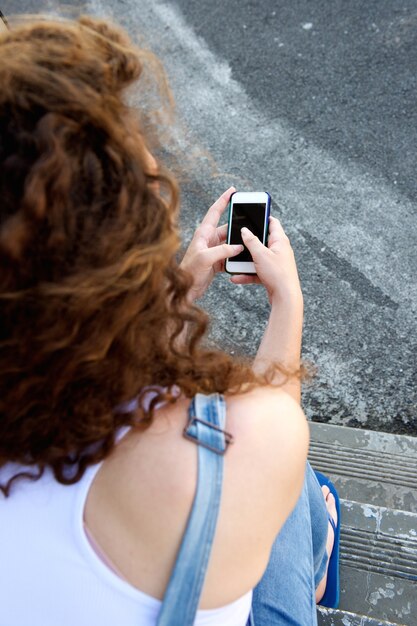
92, 301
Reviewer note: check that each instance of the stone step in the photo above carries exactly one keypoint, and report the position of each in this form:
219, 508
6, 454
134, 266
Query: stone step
376, 476
330, 617
367, 466
378, 560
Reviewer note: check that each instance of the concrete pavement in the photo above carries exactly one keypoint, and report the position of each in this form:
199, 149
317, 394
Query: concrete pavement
314, 102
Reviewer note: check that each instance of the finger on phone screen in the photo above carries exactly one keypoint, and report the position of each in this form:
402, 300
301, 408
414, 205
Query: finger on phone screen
216, 210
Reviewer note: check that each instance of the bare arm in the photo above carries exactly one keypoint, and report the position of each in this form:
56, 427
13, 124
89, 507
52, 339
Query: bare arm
277, 270
281, 343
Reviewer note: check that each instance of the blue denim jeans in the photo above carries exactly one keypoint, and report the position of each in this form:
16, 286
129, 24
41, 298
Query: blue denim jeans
285, 596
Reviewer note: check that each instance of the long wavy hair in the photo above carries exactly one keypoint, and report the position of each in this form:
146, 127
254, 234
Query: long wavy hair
93, 305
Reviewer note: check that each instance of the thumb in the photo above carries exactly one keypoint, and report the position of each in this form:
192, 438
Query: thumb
251, 241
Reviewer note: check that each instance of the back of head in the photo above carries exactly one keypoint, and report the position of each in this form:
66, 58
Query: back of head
72, 158
92, 301
87, 241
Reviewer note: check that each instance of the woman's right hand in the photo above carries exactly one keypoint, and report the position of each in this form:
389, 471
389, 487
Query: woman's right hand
275, 265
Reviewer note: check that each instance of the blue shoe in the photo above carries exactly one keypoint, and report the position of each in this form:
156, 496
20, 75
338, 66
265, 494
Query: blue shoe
332, 592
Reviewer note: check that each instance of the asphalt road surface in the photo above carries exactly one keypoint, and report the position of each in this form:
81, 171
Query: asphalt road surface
315, 102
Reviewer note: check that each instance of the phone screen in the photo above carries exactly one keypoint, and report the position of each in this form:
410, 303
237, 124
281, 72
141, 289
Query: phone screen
253, 217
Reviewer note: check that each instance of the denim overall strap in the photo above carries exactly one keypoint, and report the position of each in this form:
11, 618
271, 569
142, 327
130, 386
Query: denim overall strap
205, 427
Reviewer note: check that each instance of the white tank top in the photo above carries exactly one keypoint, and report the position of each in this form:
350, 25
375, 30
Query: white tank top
50, 574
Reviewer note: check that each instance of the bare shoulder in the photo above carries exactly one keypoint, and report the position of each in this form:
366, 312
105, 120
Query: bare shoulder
267, 410
272, 437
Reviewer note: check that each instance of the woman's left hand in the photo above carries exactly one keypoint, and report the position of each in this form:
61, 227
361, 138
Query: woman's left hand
207, 251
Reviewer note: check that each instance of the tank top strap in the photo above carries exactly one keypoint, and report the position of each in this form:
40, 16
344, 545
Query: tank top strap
206, 420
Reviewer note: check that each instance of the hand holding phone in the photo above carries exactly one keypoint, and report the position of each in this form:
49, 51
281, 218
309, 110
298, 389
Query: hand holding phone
208, 250
250, 210
275, 265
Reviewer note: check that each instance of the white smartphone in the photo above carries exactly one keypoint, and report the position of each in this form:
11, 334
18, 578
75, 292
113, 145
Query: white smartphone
250, 209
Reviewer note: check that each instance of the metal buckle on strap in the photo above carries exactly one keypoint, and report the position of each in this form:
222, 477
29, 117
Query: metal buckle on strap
228, 437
